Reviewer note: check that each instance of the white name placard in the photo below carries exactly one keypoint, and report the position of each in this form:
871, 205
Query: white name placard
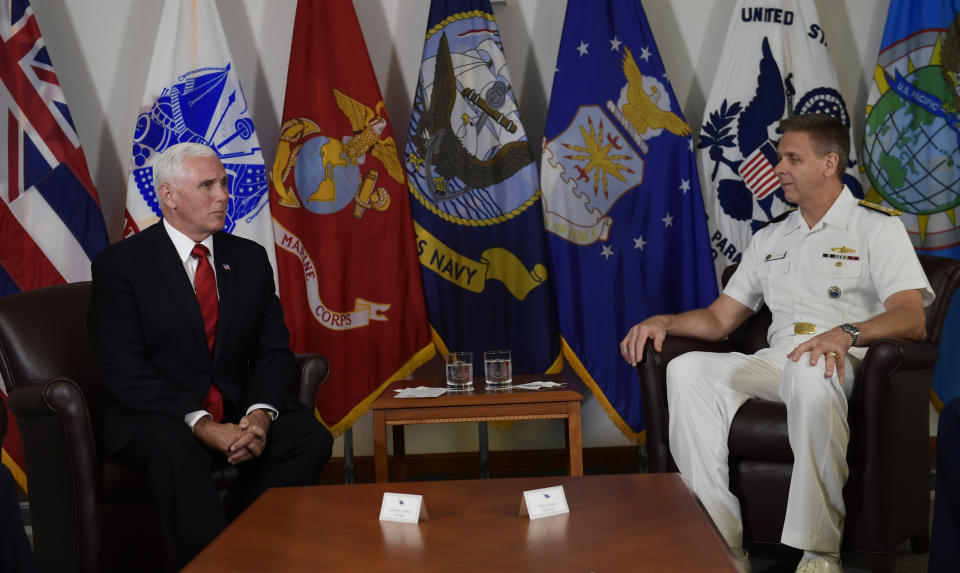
544, 502
402, 507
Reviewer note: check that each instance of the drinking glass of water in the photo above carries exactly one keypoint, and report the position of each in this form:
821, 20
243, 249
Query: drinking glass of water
498, 369
460, 369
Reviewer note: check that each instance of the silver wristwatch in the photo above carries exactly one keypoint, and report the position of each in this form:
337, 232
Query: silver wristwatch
852, 330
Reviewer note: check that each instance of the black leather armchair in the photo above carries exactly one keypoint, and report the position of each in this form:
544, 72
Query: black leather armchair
887, 493
89, 514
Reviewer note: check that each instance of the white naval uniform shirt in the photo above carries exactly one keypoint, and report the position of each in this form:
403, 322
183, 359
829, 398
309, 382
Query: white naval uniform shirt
839, 271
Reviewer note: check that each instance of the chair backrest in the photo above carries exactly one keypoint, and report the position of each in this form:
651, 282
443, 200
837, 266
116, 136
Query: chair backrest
43, 334
944, 277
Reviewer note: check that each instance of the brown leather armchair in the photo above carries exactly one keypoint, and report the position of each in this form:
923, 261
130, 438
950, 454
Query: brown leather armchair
887, 493
89, 514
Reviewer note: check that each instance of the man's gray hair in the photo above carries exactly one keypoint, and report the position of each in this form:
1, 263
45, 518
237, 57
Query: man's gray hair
827, 135
170, 162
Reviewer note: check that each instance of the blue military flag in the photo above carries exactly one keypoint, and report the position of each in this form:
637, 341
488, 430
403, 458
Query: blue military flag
475, 196
910, 147
628, 236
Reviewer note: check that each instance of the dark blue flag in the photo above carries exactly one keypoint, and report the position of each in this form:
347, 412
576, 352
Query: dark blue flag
475, 197
911, 146
628, 235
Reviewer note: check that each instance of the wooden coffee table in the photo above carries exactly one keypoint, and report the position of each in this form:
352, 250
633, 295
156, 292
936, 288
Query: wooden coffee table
632, 522
476, 405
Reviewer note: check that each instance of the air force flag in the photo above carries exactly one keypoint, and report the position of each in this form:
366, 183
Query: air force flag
775, 64
193, 95
621, 198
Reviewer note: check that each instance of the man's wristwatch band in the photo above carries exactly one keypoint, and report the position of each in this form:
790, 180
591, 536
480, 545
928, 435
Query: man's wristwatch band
270, 413
853, 331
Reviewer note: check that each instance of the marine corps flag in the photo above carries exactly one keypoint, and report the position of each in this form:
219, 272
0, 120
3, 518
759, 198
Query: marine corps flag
910, 146
628, 236
774, 64
193, 94
475, 196
346, 255
50, 221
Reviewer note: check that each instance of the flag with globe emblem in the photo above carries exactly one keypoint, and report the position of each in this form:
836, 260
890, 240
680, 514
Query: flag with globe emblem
621, 198
910, 146
475, 196
193, 94
774, 64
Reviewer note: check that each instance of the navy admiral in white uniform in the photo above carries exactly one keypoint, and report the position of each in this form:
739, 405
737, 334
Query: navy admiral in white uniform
837, 274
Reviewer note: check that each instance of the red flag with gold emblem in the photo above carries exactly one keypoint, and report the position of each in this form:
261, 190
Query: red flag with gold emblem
349, 276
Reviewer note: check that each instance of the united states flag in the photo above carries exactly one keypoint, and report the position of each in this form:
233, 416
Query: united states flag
757, 171
50, 220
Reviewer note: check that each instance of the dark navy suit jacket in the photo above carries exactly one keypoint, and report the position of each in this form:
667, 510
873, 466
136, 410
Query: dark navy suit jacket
147, 335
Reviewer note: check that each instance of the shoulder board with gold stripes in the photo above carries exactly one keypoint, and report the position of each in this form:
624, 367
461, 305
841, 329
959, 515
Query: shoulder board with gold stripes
778, 218
885, 210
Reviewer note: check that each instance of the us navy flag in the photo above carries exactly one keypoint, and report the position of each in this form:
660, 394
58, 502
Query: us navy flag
910, 149
621, 198
774, 64
475, 196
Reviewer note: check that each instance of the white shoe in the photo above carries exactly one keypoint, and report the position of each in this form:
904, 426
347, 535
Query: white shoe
742, 559
819, 564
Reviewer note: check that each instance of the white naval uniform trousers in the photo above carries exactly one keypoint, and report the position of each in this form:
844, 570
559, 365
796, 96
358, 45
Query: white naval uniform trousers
841, 270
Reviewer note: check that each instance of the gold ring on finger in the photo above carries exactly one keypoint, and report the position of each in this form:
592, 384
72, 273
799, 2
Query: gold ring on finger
831, 353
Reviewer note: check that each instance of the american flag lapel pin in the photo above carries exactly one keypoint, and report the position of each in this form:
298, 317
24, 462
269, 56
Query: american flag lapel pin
226, 267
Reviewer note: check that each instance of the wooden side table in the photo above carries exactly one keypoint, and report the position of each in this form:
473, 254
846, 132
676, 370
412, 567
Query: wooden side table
476, 405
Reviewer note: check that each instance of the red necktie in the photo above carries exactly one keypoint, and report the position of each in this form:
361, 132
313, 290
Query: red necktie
206, 286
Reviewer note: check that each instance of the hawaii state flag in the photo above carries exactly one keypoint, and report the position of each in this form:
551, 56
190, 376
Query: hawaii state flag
774, 64
50, 220
476, 197
621, 197
910, 146
193, 94
349, 279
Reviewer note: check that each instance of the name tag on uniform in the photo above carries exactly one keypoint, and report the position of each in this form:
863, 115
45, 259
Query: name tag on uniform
775, 256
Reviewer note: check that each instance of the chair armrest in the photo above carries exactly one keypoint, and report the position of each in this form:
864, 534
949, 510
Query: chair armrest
63, 471
653, 384
886, 361
892, 354
3, 420
889, 422
312, 371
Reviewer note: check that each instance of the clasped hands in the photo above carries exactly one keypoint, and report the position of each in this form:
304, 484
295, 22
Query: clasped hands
240, 442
